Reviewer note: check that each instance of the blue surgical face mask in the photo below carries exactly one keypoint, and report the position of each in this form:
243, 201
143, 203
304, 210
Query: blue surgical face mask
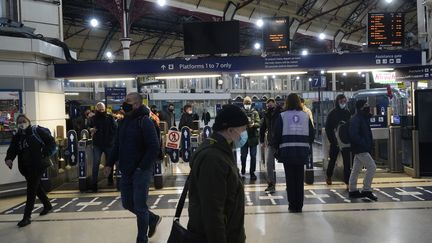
242, 140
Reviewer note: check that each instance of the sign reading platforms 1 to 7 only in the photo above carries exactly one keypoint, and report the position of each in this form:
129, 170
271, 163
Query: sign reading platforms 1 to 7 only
386, 29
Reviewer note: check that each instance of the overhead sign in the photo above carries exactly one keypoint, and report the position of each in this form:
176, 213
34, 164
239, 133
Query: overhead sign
386, 29
173, 140
241, 64
276, 34
415, 73
115, 93
319, 82
384, 77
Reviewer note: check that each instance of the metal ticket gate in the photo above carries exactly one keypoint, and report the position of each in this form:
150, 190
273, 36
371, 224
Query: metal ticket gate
85, 162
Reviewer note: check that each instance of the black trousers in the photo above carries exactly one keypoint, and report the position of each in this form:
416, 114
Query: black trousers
346, 157
34, 188
294, 176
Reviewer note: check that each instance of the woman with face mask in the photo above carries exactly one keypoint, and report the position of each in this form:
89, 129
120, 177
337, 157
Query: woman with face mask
293, 134
216, 192
31, 145
186, 119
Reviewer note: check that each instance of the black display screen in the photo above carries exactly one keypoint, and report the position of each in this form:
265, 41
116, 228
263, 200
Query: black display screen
211, 37
386, 29
276, 34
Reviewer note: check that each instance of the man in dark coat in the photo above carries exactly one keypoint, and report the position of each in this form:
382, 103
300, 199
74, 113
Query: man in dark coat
270, 116
169, 116
102, 128
253, 138
340, 113
216, 194
206, 117
362, 145
136, 147
186, 119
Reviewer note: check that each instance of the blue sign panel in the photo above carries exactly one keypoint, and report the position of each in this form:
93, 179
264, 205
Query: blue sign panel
240, 64
115, 93
186, 144
207, 131
319, 82
72, 151
82, 164
378, 122
173, 153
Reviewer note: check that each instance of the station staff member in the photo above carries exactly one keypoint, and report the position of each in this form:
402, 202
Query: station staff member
293, 135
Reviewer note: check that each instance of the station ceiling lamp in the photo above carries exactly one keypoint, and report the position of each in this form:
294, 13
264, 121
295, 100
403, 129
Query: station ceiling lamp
189, 76
361, 70
84, 80
272, 74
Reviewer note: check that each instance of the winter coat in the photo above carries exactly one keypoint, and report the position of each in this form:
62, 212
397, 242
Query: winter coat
105, 126
360, 134
268, 124
333, 119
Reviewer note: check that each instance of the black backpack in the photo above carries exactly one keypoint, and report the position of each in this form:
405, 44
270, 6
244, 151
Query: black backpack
342, 135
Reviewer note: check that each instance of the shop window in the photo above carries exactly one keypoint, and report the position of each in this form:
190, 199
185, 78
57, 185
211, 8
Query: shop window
10, 107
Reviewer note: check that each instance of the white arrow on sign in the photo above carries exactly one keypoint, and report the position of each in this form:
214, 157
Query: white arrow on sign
186, 134
73, 157
187, 154
175, 155
163, 67
72, 148
186, 145
72, 137
207, 132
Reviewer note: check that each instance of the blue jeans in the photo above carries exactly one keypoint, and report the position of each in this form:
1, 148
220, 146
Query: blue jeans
134, 193
97, 154
253, 153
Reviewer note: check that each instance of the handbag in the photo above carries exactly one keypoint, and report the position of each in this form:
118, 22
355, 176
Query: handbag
179, 234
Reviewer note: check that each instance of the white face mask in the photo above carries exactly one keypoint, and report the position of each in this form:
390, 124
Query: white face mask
189, 112
23, 126
247, 107
342, 105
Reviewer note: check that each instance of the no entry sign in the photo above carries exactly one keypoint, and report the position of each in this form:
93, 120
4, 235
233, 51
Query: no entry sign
173, 140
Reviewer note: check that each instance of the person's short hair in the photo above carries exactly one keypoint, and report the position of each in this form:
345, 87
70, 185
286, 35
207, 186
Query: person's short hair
99, 104
293, 103
153, 107
137, 96
23, 116
170, 104
302, 100
187, 106
270, 100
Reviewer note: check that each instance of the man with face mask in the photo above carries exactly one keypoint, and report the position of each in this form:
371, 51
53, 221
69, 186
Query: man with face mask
339, 114
216, 191
361, 145
271, 115
102, 128
136, 147
169, 116
253, 138
186, 119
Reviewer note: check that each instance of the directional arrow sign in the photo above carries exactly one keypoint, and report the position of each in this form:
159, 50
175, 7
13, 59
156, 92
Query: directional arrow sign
72, 137
163, 67
186, 134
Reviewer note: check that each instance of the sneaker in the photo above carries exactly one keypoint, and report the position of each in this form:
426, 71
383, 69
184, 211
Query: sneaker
253, 177
24, 222
369, 195
329, 181
153, 227
270, 189
355, 194
46, 210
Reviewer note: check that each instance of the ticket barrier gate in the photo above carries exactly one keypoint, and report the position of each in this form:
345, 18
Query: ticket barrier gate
85, 162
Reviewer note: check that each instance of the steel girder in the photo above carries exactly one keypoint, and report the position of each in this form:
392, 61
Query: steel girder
106, 41
306, 7
356, 14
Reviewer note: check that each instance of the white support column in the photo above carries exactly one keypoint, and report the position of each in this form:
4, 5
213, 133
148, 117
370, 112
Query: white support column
334, 82
367, 80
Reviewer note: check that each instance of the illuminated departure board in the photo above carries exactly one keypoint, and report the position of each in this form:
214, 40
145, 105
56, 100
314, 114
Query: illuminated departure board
386, 29
276, 34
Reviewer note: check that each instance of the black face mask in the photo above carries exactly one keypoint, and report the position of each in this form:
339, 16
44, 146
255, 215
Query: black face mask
366, 111
270, 108
171, 109
127, 107
154, 111
100, 113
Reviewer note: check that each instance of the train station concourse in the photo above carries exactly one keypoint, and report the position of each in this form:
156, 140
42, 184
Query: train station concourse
215, 121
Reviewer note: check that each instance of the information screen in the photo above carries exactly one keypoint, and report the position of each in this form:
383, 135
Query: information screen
386, 29
276, 34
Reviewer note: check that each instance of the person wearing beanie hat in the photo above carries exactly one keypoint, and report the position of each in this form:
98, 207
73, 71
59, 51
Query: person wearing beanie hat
338, 116
253, 138
216, 192
361, 140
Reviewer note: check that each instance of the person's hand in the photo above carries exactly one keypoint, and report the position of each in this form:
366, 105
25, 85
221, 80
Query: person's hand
107, 170
9, 163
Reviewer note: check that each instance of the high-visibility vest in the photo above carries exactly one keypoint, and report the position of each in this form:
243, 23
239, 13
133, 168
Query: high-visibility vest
295, 130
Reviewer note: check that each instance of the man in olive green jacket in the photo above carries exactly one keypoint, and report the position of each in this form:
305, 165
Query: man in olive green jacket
216, 192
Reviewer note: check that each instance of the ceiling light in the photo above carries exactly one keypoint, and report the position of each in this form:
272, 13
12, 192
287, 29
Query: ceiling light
109, 54
257, 46
94, 23
72, 94
310, 79
322, 72
344, 74
236, 75
78, 80
297, 77
270, 74
322, 36
189, 76
260, 23
389, 1
265, 77
363, 75
274, 76
305, 52
161, 2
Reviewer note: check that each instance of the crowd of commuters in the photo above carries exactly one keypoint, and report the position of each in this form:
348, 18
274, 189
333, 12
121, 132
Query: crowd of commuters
130, 139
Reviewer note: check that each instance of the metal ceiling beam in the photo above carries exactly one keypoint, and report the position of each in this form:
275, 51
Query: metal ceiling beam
329, 11
307, 6
83, 43
106, 41
76, 33
356, 14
